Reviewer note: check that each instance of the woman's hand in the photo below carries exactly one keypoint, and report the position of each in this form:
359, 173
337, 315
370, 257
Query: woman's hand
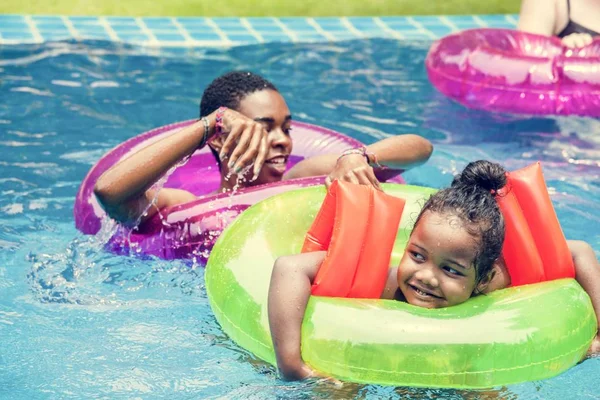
244, 144
577, 40
355, 169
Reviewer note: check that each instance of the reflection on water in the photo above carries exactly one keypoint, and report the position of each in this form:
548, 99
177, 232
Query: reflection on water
77, 319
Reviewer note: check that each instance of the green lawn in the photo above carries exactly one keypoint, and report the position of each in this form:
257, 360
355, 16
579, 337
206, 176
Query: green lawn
216, 8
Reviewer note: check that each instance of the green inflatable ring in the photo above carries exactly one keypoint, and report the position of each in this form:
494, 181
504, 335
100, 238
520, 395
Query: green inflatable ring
513, 335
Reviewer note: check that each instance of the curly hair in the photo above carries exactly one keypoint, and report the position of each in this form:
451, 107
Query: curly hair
229, 90
471, 198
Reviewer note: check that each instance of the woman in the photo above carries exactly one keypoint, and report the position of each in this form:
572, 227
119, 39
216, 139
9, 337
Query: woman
576, 22
246, 123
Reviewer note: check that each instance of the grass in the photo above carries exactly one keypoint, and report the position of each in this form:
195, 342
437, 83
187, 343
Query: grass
259, 8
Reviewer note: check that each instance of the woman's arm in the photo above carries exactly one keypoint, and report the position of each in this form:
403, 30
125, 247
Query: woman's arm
402, 151
124, 190
289, 292
587, 273
538, 16
398, 152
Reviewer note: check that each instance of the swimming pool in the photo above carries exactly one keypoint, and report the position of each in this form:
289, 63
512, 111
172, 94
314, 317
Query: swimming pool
76, 322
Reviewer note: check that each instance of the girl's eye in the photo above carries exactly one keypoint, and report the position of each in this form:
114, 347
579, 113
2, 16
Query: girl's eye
451, 270
287, 130
417, 256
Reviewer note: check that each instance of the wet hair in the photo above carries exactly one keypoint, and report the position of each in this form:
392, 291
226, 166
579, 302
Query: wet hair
471, 197
229, 90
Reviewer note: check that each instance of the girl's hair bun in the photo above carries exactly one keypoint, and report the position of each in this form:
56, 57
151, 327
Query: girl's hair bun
483, 174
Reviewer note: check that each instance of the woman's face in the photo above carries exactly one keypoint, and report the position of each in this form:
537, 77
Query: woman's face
438, 266
269, 108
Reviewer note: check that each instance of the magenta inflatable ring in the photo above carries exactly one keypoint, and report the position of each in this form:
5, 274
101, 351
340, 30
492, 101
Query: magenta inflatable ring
511, 71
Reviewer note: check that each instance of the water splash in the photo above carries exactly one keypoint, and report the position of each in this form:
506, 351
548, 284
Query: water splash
53, 277
85, 274
157, 187
127, 245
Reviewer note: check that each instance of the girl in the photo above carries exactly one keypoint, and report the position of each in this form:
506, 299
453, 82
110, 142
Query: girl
453, 253
252, 129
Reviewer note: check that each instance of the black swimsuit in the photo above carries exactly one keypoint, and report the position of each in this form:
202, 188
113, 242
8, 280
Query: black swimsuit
574, 27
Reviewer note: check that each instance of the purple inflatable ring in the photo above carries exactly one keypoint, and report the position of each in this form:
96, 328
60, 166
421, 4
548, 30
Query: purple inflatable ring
191, 229
517, 72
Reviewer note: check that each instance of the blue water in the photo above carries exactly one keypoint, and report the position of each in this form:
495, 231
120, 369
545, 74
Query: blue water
76, 322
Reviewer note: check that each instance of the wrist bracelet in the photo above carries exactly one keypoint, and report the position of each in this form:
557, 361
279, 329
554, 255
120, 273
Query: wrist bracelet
206, 132
219, 120
357, 151
370, 157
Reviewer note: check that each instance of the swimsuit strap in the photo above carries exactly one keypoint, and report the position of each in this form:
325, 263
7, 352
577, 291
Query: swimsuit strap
574, 27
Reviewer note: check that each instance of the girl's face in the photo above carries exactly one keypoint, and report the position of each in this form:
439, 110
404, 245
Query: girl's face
438, 266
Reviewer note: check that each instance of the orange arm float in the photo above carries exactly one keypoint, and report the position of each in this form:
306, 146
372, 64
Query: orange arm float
530, 188
319, 235
535, 248
522, 259
357, 225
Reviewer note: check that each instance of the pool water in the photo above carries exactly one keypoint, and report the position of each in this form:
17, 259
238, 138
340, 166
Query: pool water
77, 322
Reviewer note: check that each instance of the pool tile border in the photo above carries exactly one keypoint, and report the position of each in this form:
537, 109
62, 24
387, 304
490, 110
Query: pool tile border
225, 32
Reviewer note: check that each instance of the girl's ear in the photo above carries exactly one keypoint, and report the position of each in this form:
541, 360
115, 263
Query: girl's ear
498, 278
483, 285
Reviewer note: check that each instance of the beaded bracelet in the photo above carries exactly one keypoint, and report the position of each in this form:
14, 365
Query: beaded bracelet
370, 157
219, 120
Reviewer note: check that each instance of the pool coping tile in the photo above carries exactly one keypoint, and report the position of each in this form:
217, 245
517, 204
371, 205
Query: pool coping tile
230, 31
